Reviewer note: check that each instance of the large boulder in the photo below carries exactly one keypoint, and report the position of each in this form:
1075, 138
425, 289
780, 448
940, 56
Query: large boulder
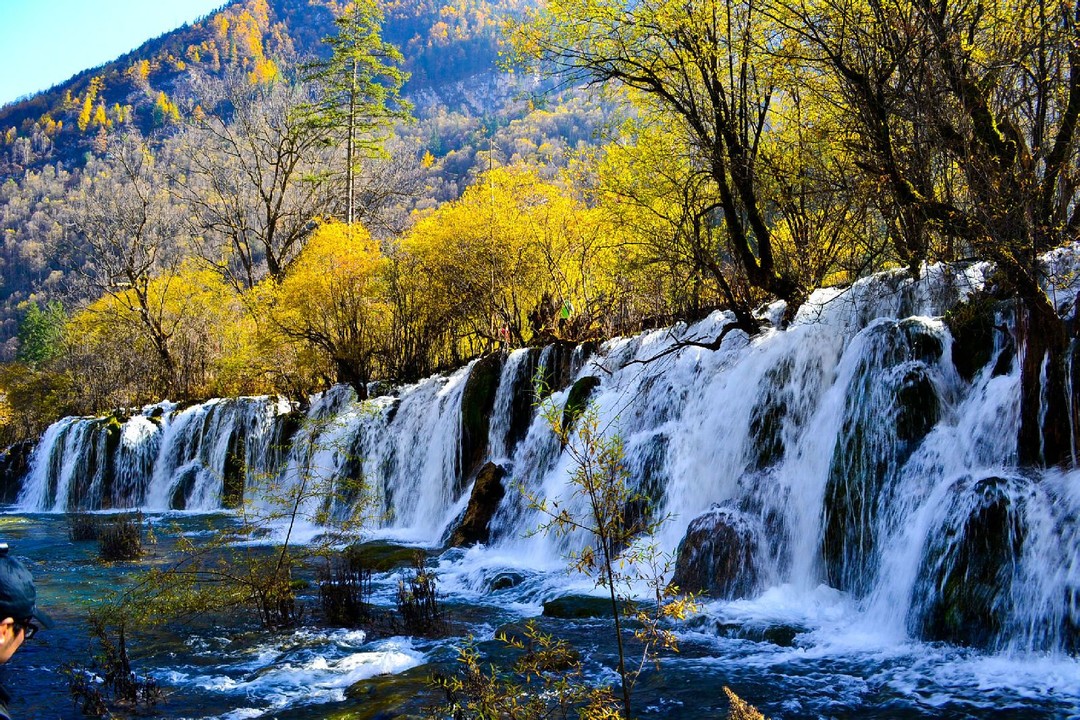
718, 555
892, 403
487, 493
477, 402
970, 566
14, 465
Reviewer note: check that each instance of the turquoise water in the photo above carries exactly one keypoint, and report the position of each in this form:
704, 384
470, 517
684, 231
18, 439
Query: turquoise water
822, 665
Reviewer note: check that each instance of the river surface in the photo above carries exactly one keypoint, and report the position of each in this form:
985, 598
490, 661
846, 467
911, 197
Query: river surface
793, 658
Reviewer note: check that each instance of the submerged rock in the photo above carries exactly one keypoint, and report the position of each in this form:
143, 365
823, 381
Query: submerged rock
487, 493
718, 555
577, 607
967, 574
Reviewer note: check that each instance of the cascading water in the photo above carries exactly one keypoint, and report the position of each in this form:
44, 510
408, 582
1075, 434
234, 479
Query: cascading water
853, 476
159, 459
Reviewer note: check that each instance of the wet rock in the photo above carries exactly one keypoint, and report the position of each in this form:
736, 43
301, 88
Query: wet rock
232, 492
403, 695
380, 556
577, 607
487, 493
779, 635
180, 494
891, 405
968, 571
505, 581
14, 465
972, 327
718, 555
768, 414
477, 401
577, 401
917, 406
647, 478
924, 343
557, 360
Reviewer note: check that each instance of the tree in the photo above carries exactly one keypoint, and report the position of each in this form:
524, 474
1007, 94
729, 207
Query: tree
613, 540
705, 64
125, 233
334, 299
501, 261
207, 331
358, 88
966, 114
41, 333
253, 174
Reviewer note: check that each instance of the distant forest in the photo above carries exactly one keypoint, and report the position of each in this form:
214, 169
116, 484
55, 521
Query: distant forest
292, 194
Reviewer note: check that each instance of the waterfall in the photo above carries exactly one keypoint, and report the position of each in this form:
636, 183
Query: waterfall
160, 458
848, 450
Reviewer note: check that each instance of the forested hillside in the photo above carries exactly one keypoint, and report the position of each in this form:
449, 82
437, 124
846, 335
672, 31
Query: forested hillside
464, 109
288, 195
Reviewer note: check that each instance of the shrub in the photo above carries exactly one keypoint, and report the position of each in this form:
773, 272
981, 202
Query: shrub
83, 527
417, 602
121, 538
110, 682
345, 592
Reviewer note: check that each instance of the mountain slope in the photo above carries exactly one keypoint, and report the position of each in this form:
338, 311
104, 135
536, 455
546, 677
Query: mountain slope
444, 43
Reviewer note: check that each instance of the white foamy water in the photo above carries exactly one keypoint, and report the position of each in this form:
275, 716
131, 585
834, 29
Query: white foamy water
877, 478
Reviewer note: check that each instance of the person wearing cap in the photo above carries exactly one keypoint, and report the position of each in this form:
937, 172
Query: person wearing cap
18, 611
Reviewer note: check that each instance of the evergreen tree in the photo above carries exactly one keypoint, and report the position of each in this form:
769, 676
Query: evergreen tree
359, 86
40, 333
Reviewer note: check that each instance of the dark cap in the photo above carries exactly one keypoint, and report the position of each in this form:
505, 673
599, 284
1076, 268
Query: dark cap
18, 598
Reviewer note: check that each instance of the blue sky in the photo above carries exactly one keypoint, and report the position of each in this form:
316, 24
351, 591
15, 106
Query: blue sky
43, 42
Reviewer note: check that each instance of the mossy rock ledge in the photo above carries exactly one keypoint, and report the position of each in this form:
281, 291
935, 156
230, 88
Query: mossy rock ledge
718, 555
578, 607
402, 695
381, 556
477, 403
969, 568
487, 493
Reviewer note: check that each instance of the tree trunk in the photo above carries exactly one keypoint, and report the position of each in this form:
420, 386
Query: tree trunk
1046, 435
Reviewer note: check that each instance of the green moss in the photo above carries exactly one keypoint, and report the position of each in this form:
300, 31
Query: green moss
380, 556
577, 401
972, 327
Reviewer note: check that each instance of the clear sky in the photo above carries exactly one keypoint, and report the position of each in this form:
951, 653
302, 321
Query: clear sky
43, 42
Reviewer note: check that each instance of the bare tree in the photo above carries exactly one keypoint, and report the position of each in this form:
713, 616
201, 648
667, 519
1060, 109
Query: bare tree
123, 232
254, 178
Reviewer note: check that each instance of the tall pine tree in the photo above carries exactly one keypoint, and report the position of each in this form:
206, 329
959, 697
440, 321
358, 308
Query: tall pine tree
359, 87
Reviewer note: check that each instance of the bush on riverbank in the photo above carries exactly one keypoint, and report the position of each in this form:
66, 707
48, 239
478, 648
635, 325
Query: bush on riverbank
121, 538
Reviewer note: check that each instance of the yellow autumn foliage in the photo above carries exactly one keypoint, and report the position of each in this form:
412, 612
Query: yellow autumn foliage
333, 300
